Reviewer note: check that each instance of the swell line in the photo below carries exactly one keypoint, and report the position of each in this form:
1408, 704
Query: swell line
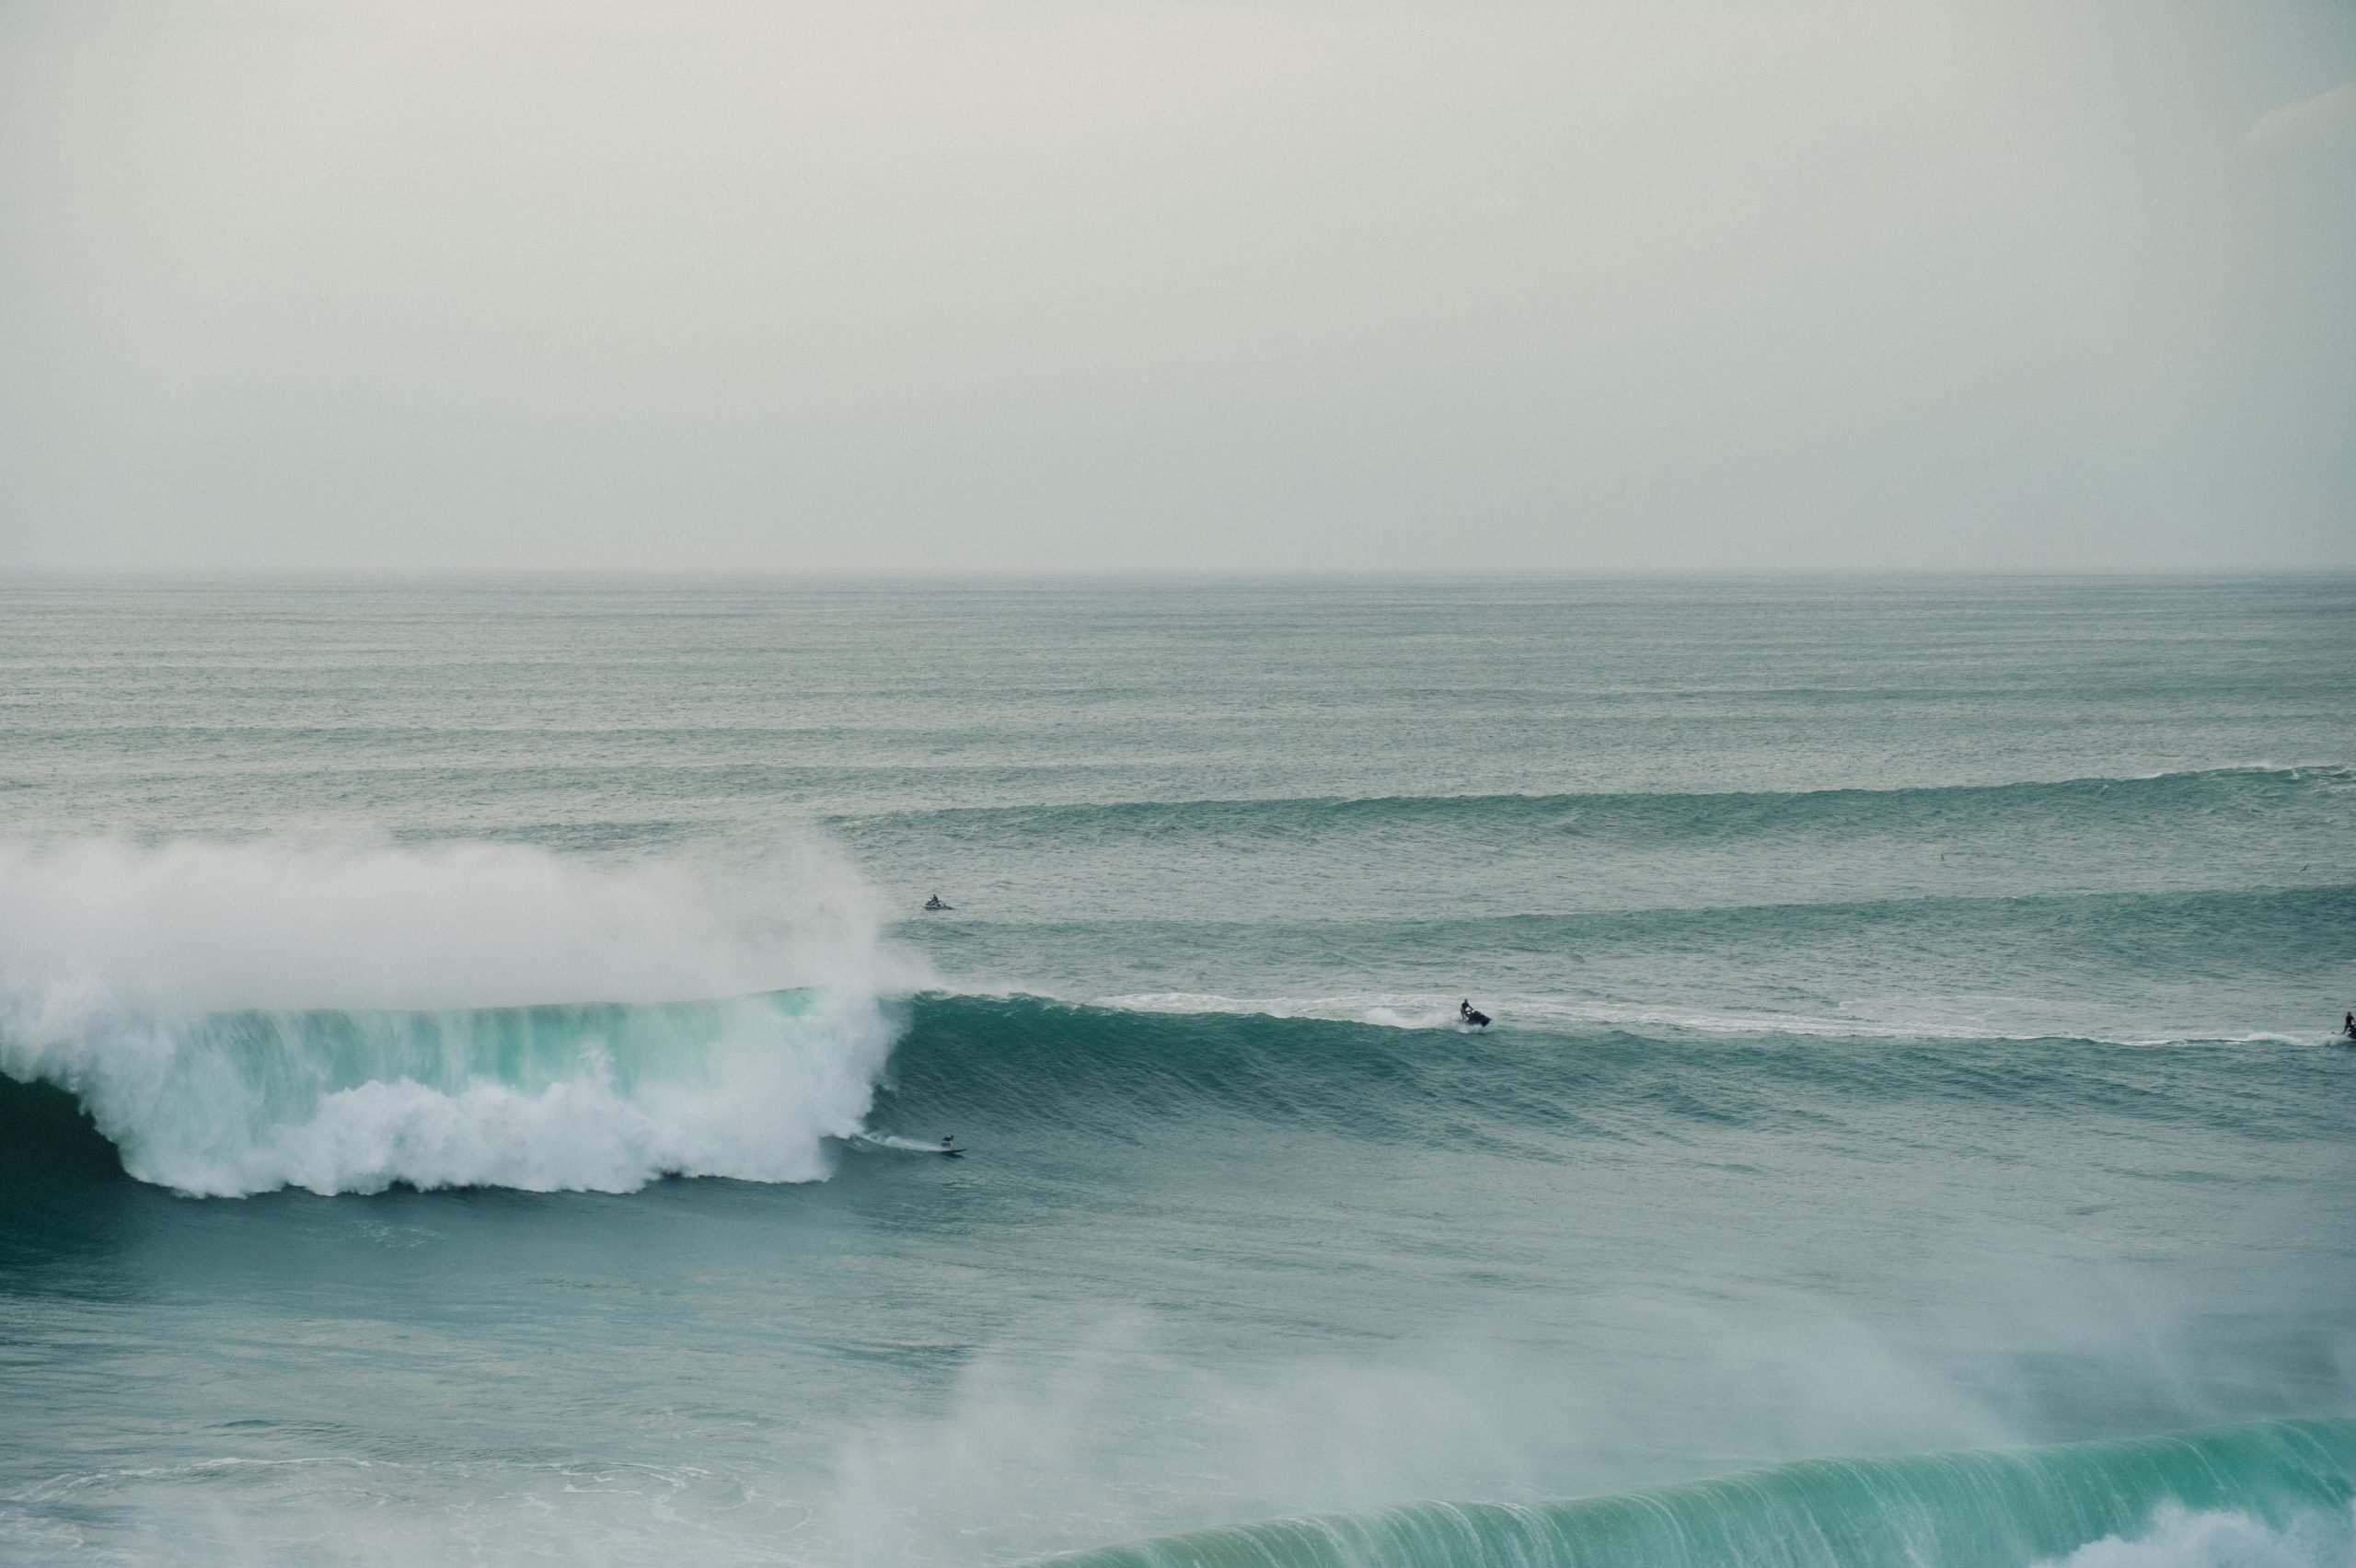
1664, 810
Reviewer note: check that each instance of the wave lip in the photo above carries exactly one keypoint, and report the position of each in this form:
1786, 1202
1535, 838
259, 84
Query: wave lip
2285, 1484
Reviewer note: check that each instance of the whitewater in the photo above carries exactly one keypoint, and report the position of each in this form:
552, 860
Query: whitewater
470, 1052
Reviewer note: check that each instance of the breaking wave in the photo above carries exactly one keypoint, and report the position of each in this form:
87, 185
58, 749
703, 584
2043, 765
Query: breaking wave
597, 1098
2275, 1495
239, 1016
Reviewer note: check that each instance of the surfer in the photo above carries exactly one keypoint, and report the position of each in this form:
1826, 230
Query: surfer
934, 903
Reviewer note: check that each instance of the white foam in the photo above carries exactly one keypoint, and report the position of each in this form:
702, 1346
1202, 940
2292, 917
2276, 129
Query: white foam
2181, 1537
1389, 1010
114, 956
1915, 1019
753, 1094
895, 1141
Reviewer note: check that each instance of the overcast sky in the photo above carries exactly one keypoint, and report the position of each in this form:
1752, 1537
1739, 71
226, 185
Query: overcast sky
1479, 285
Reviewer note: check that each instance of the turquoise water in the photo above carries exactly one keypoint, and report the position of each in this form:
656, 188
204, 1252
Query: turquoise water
469, 1053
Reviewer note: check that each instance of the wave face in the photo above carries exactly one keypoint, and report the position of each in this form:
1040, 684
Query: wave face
1414, 1076
2269, 1494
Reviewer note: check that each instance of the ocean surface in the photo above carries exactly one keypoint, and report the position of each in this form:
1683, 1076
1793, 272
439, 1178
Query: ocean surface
473, 1060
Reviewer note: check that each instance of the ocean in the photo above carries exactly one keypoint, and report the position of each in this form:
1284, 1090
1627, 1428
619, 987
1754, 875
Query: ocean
474, 1060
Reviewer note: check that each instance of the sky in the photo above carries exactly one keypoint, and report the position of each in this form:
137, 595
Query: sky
1026, 287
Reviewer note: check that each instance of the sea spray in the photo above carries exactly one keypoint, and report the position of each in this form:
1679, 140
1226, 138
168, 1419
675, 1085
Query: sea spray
190, 925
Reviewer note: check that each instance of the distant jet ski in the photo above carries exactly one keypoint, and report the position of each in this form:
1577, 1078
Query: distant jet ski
949, 1147
1467, 1014
933, 905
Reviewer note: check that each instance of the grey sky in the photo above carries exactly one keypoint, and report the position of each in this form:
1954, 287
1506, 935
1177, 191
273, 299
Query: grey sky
892, 284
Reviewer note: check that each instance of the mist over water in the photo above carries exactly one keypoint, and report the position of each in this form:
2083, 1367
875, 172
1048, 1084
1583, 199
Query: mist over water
469, 1055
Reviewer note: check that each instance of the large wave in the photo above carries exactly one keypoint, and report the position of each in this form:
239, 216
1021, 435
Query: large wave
237, 1017
342, 1016
2275, 1495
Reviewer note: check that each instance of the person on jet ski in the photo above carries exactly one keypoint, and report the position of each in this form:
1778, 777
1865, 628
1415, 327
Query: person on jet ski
934, 903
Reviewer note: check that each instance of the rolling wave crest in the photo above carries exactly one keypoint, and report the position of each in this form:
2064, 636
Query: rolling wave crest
2276, 1494
236, 1016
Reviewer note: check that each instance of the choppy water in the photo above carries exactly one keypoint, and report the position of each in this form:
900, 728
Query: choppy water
469, 1051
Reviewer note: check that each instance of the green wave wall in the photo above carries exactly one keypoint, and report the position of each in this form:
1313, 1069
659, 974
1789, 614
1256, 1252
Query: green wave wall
1997, 1509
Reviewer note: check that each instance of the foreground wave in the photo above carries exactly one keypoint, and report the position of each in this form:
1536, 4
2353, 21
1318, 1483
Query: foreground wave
2277, 1493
